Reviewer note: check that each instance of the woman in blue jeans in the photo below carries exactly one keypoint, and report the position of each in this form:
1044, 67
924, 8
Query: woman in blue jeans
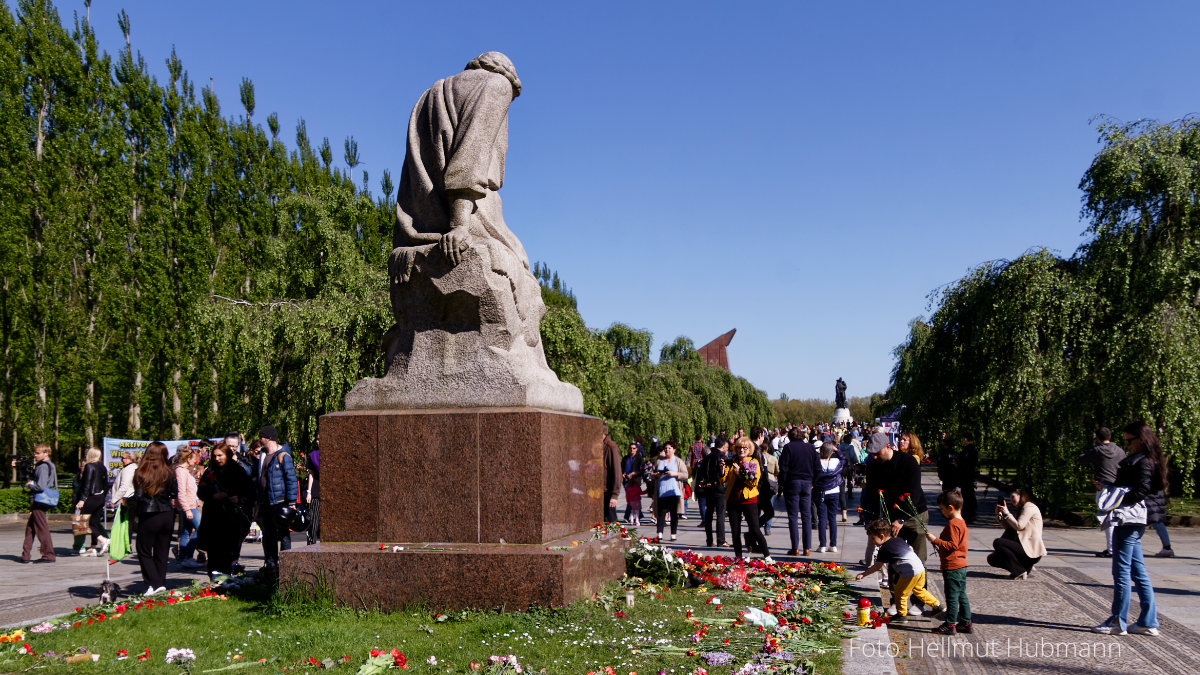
826, 494
1144, 473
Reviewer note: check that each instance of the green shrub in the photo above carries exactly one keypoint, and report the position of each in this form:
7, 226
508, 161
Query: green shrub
16, 500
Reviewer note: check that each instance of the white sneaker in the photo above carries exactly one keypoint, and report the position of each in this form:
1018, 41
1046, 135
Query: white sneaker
103, 545
833, 549
771, 561
915, 611
892, 610
1106, 629
90, 553
1143, 630
154, 591
673, 537
82, 550
820, 549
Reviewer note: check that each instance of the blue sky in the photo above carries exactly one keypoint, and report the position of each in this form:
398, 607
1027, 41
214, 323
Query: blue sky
805, 172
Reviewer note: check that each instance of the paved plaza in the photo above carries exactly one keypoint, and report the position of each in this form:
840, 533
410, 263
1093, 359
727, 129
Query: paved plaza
1039, 625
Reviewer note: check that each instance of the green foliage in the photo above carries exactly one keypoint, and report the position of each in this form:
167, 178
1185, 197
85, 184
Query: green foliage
1033, 354
816, 410
16, 500
679, 398
170, 272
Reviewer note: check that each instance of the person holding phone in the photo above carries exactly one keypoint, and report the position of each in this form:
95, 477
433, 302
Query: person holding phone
1020, 548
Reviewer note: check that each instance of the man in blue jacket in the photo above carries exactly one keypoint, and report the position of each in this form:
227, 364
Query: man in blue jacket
277, 488
799, 465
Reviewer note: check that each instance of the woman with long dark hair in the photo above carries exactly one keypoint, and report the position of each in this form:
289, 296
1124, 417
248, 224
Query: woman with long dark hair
225, 489
1144, 473
154, 490
1021, 546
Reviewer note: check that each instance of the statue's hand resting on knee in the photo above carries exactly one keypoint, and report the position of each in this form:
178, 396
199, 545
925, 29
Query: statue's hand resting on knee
454, 242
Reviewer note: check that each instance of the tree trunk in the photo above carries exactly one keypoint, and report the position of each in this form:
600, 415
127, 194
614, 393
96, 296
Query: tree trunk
89, 412
216, 404
57, 412
135, 394
176, 405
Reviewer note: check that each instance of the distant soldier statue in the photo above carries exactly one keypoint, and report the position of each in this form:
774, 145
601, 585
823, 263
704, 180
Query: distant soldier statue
840, 393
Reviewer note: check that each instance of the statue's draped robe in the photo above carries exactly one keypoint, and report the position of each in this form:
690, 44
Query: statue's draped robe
457, 140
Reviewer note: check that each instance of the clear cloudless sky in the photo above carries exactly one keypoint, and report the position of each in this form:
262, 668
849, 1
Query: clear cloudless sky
805, 172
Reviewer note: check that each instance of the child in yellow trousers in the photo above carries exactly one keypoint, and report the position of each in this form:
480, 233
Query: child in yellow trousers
909, 568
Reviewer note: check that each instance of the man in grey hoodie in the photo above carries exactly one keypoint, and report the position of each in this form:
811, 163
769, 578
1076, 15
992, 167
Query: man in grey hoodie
1103, 457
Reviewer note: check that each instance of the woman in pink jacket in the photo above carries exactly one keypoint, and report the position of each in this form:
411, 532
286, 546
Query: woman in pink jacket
187, 505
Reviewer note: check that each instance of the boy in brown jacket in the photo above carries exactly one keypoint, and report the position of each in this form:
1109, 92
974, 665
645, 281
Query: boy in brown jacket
952, 549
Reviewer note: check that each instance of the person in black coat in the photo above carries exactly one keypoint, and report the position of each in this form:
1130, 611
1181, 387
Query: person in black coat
225, 490
966, 466
799, 466
710, 483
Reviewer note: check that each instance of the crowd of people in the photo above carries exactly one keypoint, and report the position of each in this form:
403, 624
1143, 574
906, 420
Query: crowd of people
810, 473
209, 498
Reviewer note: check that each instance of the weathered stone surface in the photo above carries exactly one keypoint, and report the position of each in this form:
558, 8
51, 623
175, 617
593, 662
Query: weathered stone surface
466, 305
501, 576
484, 475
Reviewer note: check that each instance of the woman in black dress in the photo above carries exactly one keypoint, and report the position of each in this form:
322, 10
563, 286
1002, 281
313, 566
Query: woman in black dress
225, 489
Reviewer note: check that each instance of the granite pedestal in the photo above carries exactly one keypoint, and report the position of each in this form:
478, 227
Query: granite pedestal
479, 499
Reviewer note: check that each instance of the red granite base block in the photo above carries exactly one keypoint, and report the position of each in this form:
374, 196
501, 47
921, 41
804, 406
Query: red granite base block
475, 475
454, 576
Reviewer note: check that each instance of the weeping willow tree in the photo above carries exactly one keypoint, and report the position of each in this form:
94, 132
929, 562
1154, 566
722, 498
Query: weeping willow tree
1033, 354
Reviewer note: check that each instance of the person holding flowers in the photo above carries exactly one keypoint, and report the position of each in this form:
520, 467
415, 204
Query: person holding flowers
952, 549
741, 498
896, 477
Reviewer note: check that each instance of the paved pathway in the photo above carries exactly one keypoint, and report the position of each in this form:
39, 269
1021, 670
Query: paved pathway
1038, 625
35, 591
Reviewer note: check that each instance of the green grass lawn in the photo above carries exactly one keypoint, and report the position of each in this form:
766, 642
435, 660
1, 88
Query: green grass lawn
286, 631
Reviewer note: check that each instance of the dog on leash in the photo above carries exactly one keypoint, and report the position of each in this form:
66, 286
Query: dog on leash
109, 592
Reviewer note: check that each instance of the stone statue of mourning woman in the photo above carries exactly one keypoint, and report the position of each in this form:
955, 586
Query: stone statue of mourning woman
467, 308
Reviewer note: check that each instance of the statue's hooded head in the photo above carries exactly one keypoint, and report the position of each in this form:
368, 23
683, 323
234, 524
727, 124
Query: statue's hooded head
495, 62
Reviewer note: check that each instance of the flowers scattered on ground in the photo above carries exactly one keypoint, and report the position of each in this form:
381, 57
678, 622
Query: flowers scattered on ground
792, 608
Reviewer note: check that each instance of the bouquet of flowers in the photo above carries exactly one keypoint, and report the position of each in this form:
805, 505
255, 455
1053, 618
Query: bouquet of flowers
749, 473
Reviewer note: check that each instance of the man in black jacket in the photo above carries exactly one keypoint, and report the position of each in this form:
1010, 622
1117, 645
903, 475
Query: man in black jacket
894, 475
710, 487
799, 465
967, 465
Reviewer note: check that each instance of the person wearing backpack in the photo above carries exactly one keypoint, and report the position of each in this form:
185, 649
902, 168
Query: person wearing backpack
277, 491
45, 483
